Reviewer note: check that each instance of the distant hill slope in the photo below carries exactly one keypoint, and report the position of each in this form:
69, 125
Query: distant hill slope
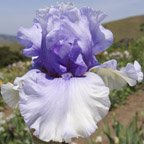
7, 38
131, 28
10, 41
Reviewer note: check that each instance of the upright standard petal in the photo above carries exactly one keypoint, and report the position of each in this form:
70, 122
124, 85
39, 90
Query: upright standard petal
31, 38
58, 32
102, 38
60, 109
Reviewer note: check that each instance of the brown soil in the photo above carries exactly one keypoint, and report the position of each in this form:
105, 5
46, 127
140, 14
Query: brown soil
7, 111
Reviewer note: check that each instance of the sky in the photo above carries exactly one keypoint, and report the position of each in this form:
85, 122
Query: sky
16, 13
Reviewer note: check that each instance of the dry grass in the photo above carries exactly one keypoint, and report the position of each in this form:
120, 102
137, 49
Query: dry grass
127, 28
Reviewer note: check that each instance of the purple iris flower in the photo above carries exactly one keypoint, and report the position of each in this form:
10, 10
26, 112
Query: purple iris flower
66, 91
65, 39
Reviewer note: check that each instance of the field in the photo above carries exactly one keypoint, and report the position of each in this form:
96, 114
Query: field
125, 121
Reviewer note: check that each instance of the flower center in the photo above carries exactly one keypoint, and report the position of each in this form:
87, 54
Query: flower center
67, 76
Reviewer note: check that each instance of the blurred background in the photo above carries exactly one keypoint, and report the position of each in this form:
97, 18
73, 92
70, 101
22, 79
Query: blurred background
125, 121
14, 14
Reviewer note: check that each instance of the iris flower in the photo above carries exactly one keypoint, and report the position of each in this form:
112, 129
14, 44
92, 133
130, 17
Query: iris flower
66, 92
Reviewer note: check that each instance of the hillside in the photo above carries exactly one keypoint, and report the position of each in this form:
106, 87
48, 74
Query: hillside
10, 41
7, 38
131, 28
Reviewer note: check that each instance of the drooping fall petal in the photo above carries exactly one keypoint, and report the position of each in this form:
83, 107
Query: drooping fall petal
60, 109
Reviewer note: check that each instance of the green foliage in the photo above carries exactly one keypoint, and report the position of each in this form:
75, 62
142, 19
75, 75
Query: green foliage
132, 134
124, 51
2, 104
142, 27
9, 57
137, 51
14, 131
118, 97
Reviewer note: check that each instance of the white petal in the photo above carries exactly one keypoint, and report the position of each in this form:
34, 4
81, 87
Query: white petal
130, 71
108, 64
116, 79
10, 94
139, 71
61, 109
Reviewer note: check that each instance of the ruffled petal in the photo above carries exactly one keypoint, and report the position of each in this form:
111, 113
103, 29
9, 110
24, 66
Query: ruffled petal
31, 38
113, 78
60, 109
116, 79
108, 64
102, 38
138, 69
10, 94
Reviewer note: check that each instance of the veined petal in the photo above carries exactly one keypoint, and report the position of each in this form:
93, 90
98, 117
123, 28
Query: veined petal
103, 39
108, 64
10, 94
113, 78
31, 38
60, 109
116, 79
